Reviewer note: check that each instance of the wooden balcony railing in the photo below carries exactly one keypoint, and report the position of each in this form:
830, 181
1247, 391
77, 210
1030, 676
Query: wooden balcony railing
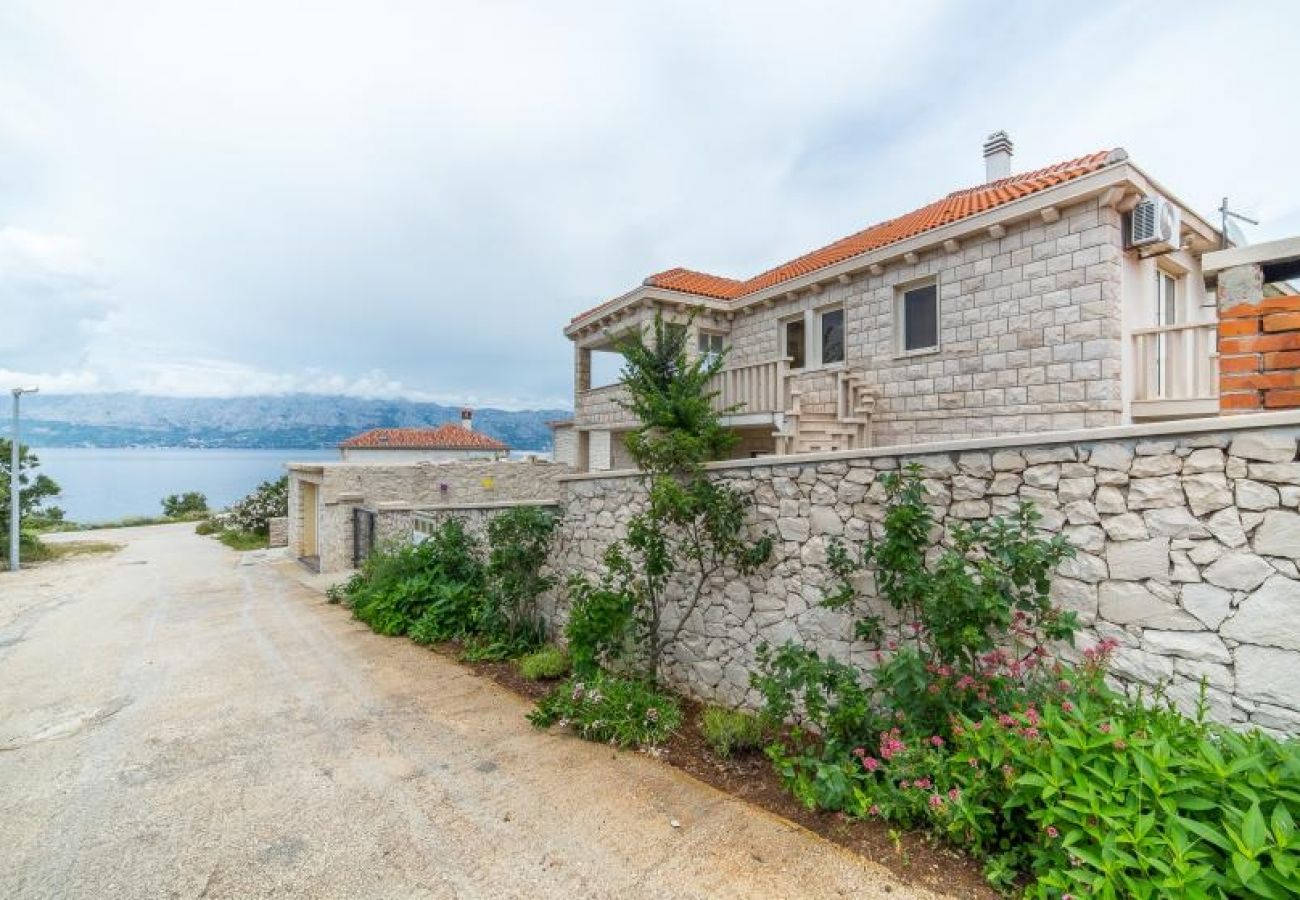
1176, 363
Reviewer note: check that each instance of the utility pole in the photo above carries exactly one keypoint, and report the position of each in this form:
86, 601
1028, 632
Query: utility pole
15, 514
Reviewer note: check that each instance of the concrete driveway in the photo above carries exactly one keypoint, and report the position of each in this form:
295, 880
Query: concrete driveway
179, 720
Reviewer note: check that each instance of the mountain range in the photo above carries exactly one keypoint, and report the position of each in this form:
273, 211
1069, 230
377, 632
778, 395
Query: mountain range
291, 421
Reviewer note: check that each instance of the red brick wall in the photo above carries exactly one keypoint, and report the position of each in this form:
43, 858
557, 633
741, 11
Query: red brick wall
1259, 356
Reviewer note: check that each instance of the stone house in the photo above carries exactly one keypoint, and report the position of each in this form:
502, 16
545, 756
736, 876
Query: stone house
445, 443
1036, 302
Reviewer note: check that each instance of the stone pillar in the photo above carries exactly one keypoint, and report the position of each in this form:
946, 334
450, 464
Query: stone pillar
1259, 345
581, 369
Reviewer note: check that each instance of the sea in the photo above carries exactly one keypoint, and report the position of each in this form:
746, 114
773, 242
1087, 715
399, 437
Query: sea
106, 484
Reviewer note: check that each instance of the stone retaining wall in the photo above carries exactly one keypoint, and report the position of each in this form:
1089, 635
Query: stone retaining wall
278, 531
1188, 537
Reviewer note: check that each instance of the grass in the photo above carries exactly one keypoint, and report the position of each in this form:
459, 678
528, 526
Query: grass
243, 540
548, 663
125, 522
64, 549
729, 731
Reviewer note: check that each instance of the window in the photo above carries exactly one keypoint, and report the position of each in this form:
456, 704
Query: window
711, 344
794, 343
1166, 298
832, 333
675, 333
919, 311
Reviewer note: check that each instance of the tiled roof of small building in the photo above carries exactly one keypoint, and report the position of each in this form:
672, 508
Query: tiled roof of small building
954, 207
444, 437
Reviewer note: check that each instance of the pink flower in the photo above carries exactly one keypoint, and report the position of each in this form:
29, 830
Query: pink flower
1105, 727
1052, 832
870, 763
1006, 721
859, 752
874, 810
1031, 733
1120, 744
936, 740
953, 793
1067, 706
936, 801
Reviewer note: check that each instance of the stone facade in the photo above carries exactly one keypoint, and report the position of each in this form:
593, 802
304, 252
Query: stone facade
1031, 339
391, 490
278, 531
1029, 334
1188, 538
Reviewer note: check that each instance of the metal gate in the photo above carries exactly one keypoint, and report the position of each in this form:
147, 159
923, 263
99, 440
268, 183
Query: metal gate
363, 535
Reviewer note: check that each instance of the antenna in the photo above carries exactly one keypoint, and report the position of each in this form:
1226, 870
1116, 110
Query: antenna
1225, 214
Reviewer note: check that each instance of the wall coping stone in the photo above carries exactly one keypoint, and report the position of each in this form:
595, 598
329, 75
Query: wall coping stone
399, 506
1079, 436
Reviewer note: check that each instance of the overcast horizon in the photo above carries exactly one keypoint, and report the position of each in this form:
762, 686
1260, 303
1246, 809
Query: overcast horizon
266, 198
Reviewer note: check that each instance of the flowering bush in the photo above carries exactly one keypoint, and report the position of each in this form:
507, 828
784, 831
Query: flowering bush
965, 727
625, 712
253, 513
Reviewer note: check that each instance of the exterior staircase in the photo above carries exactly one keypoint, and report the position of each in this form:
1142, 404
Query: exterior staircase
846, 427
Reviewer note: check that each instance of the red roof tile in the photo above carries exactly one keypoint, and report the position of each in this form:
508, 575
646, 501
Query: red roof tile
956, 206
444, 437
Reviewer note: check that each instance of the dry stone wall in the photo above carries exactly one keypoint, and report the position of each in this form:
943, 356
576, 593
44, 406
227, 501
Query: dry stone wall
1188, 543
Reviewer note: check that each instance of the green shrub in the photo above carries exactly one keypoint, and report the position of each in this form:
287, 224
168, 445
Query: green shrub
730, 730
207, 527
545, 664
600, 625
518, 542
242, 540
190, 505
625, 712
965, 728
436, 584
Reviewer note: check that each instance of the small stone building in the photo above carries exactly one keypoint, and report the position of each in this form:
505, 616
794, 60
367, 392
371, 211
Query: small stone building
392, 446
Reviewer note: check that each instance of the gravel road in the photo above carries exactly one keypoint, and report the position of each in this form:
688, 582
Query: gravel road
180, 720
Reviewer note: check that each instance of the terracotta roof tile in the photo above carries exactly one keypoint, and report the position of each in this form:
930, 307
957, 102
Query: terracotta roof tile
444, 437
953, 208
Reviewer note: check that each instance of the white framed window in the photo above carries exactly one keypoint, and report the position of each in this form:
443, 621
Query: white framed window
711, 344
830, 332
917, 318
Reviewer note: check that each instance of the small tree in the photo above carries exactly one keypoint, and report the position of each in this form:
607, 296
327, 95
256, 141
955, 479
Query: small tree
191, 503
34, 490
692, 527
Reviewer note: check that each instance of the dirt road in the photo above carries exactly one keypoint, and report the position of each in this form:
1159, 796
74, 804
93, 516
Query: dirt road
180, 720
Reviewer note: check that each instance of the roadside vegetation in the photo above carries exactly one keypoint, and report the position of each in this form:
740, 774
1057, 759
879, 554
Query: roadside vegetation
35, 491
454, 586
245, 524
963, 725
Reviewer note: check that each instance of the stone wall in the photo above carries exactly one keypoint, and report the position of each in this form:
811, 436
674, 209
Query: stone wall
278, 531
1188, 535
393, 492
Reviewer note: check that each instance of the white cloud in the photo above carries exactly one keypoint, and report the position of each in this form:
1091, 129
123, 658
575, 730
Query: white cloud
412, 199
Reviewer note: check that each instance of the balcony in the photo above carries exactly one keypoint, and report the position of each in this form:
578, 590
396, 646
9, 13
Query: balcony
749, 394
1176, 371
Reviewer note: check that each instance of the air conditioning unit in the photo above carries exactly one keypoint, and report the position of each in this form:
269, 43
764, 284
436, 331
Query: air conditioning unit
1155, 224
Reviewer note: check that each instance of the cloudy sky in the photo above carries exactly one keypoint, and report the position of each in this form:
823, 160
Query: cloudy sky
412, 198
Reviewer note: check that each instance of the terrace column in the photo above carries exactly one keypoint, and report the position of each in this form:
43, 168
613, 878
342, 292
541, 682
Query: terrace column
581, 369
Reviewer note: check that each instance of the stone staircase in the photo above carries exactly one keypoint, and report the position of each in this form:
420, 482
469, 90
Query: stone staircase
845, 427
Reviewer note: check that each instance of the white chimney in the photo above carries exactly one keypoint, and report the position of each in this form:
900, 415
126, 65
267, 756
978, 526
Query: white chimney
467, 418
997, 156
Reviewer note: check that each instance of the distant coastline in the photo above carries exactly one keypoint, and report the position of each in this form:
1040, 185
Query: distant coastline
289, 422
